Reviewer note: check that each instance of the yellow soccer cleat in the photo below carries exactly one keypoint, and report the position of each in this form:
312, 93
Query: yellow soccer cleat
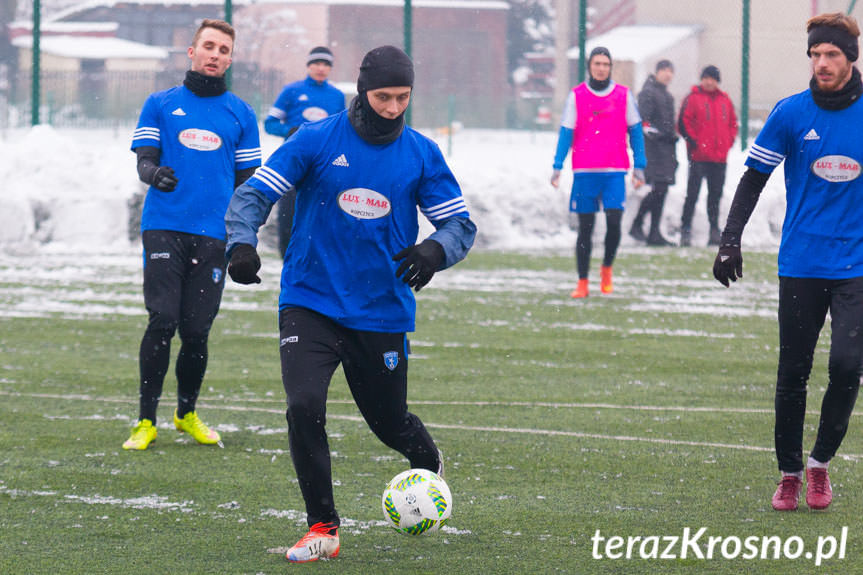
199, 431
143, 434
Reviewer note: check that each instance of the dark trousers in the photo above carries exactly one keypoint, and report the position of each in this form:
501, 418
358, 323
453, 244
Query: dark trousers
803, 306
584, 240
285, 215
376, 367
184, 275
714, 173
652, 204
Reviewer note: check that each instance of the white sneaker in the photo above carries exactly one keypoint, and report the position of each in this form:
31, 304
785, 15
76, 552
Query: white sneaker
321, 542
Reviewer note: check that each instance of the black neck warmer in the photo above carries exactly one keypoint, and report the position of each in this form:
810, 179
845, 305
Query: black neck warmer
598, 86
841, 98
372, 127
205, 86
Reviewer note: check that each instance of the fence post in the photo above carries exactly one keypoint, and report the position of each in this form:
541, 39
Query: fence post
744, 79
36, 56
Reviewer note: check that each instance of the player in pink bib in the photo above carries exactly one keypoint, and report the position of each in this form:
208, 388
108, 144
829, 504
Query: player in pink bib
596, 119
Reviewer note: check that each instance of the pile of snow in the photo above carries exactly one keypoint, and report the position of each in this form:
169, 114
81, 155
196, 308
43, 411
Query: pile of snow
73, 188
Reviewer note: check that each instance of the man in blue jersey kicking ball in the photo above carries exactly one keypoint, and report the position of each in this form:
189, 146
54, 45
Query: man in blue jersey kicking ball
195, 143
348, 271
817, 134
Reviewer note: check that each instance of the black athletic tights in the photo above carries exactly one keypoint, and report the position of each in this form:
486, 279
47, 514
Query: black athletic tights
184, 275
584, 241
803, 306
375, 366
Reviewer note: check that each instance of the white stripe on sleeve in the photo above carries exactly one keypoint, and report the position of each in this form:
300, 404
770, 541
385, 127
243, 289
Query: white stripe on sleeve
247, 155
445, 210
146, 133
273, 180
278, 113
765, 156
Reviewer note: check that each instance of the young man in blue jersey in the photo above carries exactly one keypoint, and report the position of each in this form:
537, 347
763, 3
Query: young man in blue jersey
194, 143
308, 100
348, 272
817, 134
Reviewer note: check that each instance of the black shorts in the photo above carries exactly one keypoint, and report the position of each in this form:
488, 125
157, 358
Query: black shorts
184, 275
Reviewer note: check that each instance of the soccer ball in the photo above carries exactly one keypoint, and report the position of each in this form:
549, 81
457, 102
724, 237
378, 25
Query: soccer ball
417, 502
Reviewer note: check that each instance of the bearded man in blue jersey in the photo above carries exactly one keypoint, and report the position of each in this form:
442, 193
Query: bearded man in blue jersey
817, 134
195, 143
348, 271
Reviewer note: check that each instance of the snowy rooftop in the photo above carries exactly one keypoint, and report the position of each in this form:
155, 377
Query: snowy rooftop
92, 48
636, 42
464, 4
66, 27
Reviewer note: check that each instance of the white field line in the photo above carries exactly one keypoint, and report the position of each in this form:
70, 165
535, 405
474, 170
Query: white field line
491, 429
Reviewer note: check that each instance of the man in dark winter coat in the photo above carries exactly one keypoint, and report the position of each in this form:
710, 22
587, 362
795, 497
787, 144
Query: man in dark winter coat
708, 123
656, 105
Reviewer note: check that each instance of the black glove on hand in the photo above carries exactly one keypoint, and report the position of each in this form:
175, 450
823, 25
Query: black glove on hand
244, 265
164, 179
729, 263
419, 263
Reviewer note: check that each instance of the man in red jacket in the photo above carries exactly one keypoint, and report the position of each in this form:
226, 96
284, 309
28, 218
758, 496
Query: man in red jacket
709, 125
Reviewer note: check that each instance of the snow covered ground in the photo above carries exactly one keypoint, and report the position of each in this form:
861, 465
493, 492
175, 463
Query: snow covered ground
68, 190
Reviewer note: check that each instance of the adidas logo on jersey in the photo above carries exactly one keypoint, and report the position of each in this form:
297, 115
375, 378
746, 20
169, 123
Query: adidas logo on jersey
812, 135
178, 112
341, 161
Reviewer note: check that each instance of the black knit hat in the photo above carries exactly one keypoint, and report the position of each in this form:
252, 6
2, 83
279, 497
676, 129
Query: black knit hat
385, 67
320, 54
663, 64
599, 50
711, 72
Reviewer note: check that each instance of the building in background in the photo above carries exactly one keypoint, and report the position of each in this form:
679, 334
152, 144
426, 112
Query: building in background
459, 46
87, 71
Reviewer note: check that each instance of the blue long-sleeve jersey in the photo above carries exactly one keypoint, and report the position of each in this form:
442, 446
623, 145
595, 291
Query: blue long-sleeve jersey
301, 102
356, 207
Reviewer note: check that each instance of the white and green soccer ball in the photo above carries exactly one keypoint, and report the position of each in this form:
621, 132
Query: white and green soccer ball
417, 502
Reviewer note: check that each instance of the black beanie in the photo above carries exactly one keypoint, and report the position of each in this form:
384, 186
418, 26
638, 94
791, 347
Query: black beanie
711, 72
385, 67
320, 54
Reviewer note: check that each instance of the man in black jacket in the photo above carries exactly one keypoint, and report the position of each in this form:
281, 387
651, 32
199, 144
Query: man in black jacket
656, 105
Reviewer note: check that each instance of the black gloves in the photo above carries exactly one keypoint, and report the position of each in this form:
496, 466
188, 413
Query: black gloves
164, 179
244, 265
419, 263
160, 177
729, 262
150, 172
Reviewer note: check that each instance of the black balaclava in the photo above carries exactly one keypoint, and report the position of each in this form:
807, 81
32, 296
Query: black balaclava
383, 67
596, 85
205, 86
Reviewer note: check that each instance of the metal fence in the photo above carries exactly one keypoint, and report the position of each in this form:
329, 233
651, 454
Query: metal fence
94, 99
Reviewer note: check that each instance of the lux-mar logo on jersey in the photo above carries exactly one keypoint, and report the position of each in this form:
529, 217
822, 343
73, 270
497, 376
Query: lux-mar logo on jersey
199, 139
364, 204
836, 168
